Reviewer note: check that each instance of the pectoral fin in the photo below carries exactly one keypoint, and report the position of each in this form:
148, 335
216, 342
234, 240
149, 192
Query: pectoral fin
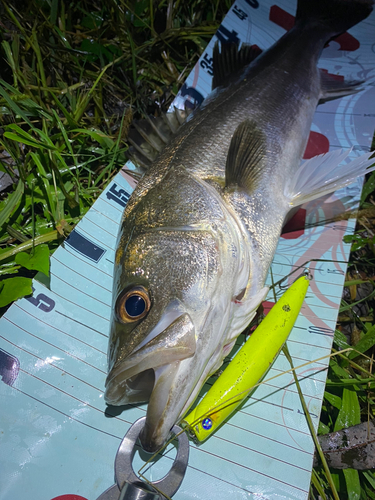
246, 156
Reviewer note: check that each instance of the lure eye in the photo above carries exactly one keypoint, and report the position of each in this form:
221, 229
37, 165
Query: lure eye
133, 305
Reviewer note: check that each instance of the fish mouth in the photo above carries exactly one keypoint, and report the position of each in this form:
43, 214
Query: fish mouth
122, 390
148, 374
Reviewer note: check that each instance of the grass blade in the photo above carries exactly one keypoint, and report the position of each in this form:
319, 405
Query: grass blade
43, 177
353, 484
316, 482
311, 427
350, 412
14, 107
43, 238
364, 344
12, 202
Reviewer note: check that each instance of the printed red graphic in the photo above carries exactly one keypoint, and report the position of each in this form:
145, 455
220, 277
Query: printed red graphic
285, 20
281, 17
256, 50
339, 78
69, 497
347, 42
267, 306
316, 145
295, 227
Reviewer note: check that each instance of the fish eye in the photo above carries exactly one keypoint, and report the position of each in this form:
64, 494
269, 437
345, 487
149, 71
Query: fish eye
133, 305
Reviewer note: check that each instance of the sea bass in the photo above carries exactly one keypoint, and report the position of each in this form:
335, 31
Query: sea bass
200, 230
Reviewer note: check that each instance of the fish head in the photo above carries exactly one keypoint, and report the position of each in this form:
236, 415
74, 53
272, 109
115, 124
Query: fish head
162, 326
173, 299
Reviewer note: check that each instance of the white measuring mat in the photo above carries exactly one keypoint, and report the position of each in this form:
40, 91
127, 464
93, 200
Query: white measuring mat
58, 440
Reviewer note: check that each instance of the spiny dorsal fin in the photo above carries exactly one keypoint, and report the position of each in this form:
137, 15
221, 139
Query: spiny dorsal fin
246, 156
148, 137
230, 60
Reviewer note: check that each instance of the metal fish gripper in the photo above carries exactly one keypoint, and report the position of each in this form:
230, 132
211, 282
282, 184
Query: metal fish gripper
128, 486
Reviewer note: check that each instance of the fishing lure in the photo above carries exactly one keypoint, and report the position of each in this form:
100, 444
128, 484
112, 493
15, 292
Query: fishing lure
250, 364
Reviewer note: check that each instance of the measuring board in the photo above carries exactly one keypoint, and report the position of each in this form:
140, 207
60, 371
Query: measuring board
58, 439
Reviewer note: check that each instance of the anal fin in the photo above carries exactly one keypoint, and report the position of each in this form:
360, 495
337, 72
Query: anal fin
334, 87
324, 174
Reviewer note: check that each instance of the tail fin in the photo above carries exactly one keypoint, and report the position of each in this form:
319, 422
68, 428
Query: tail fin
336, 15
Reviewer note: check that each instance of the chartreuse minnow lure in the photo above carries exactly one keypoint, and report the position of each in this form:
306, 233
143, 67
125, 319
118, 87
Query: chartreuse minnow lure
250, 364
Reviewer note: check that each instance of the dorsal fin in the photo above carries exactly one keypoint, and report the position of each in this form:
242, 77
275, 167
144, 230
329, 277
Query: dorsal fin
230, 60
246, 156
149, 136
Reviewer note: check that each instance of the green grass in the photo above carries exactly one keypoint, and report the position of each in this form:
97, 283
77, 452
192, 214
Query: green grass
73, 77
349, 394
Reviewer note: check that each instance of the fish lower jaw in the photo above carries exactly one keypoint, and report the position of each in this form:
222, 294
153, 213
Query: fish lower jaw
162, 414
122, 390
137, 389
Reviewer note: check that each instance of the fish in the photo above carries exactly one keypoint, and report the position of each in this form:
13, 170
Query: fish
200, 230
